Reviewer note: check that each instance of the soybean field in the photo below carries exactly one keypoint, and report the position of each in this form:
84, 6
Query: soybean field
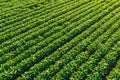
59, 39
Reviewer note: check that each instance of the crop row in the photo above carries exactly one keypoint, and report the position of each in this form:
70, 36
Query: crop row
115, 73
24, 4
69, 68
12, 45
105, 64
25, 17
55, 23
22, 18
18, 37
53, 37
68, 57
44, 43
10, 13
20, 31
55, 45
103, 49
18, 50
65, 48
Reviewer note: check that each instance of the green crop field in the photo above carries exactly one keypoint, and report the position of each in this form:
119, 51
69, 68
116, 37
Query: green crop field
59, 39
